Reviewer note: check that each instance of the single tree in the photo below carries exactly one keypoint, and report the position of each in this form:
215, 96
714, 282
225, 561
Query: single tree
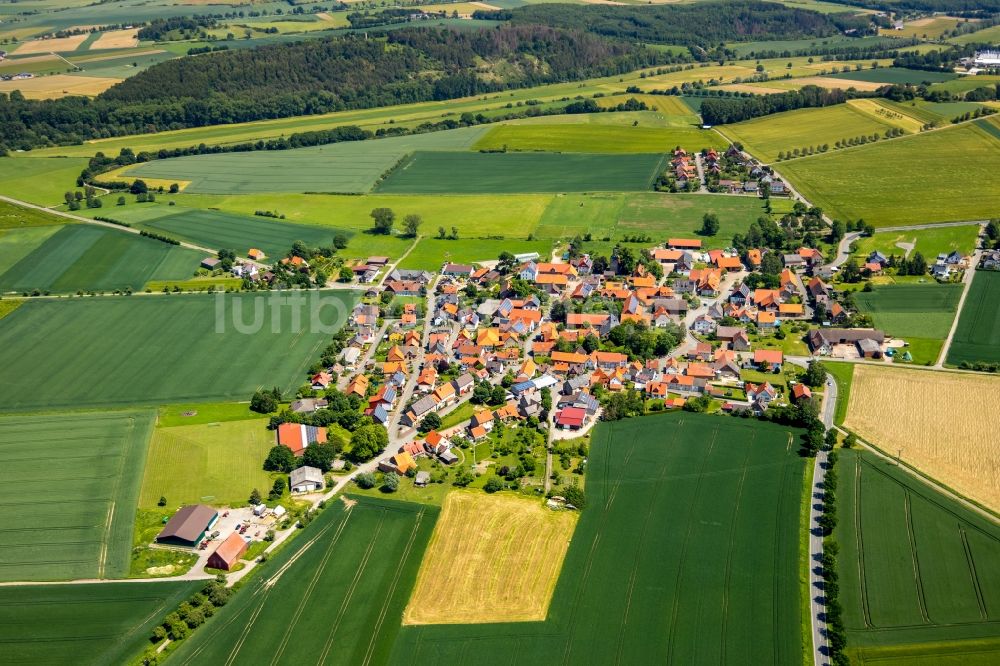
263, 402
384, 219
390, 482
493, 484
279, 459
277, 490
365, 480
709, 224
431, 422
255, 497
411, 224
162, 502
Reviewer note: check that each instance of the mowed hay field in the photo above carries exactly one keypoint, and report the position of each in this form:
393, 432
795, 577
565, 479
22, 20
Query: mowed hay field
215, 463
460, 173
879, 183
687, 553
68, 487
134, 350
977, 337
59, 85
917, 570
592, 138
492, 558
946, 424
84, 624
803, 128
348, 167
334, 596
92, 258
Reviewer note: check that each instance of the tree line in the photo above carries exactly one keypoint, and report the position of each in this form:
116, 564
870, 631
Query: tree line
721, 111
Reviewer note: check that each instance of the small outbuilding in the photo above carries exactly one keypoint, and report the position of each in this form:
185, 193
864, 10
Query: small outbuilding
422, 479
306, 479
187, 527
228, 553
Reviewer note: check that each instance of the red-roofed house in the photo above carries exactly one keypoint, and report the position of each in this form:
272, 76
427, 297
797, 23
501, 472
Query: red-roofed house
570, 418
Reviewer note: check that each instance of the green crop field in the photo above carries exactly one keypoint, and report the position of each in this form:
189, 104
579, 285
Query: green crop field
136, 350
239, 232
878, 183
977, 337
348, 167
917, 569
218, 463
39, 180
93, 624
687, 553
922, 310
77, 523
592, 138
966, 83
890, 75
803, 128
336, 596
928, 242
89, 258
442, 172
987, 36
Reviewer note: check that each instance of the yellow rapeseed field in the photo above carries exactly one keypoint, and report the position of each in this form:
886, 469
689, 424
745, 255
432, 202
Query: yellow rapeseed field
492, 558
946, 424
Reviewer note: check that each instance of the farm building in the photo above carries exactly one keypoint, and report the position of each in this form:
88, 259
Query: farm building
867, 340
422, 479
297, 436
306, 479
228, 553
571, 418
187, 527
211, 263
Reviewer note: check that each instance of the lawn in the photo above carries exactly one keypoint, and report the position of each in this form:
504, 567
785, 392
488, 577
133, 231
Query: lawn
878, 183
977, 337
40, 181
85, 257
928, 242
348, 167
803, 128
133, 350
460, 173
216, 463
335, 596
215, 229
84, 624
843, 374
78, 523
920, 310
915, 568
691, 528
592, 138
657, 215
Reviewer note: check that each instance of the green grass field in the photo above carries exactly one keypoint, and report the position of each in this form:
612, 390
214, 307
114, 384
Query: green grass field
916, 569
77, 523
878, 183
88, 258
765, 137
430, 253
987, 36
335, 596
84, 624
977, 337
597, 138
349, 167
687, 553
928, 242
843, 374
215, 229
39, 180
890, 75
920, 310
460, 173
13, 217
217, 463
134, 350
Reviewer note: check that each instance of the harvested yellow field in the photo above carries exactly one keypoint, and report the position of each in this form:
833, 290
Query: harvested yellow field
492, 558
117, 39
59, 85
879, 111
830, 82
755, 88
946, 424
55, 45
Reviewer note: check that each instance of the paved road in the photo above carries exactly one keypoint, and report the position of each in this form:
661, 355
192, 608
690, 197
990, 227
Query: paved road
817, 606
970, 274
829, 401
844, 249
